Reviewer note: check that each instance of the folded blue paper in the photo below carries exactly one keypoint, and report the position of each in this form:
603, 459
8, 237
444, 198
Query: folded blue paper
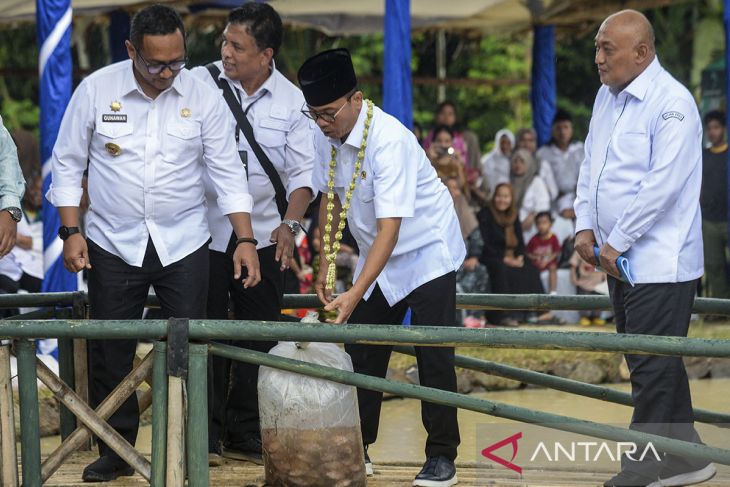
622, 263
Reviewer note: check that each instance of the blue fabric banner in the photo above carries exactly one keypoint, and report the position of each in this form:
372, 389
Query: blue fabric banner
726, 22
543, 94
397, 87
53, 22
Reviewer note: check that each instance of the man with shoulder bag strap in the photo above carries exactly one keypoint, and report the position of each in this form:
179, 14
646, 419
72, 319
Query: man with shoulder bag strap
275, 142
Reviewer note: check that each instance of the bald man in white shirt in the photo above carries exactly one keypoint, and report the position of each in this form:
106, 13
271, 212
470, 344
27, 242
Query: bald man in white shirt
638, 196
149, 130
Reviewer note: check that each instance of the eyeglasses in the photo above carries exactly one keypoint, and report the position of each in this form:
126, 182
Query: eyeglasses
174, 66
314, 115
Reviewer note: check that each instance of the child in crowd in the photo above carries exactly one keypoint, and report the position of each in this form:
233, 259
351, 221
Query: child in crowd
588, 280
543, 249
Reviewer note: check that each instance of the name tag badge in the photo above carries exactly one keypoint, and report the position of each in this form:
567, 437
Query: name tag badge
244, 160
114, 117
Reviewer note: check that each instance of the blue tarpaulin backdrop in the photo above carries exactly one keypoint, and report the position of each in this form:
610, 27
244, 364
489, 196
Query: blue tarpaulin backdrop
56, 67
543, 94
397, 88
726, 21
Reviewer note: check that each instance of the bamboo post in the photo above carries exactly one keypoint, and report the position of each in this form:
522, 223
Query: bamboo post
66, 373
159, 414
30, 441
98, 426
197, 416
177, 371
79, 438
81, 376
175, 432
9, 465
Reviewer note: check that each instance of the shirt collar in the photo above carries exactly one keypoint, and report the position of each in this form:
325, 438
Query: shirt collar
641, 83
268, 86
355, 137
130, 84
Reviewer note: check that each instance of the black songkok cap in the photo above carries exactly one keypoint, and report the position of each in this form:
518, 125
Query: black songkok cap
327, 76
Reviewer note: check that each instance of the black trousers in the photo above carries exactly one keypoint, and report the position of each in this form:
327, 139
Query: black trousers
232, 393
659, 385
433, 303
118, 291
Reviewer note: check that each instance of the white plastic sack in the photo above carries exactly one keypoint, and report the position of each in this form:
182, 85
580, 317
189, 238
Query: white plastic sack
310, 428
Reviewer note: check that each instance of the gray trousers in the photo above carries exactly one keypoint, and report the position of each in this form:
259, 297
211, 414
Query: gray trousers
659, 384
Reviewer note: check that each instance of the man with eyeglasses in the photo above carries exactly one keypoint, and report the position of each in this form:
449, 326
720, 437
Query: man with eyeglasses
279, 174
406, 228
149, 131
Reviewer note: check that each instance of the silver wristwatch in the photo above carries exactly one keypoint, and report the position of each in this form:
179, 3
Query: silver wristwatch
293, 225
15, 213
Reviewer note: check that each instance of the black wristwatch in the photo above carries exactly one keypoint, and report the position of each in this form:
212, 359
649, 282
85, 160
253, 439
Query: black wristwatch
15, 213
65, 232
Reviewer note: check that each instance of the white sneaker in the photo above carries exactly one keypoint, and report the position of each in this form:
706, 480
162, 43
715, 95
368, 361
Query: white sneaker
687, 478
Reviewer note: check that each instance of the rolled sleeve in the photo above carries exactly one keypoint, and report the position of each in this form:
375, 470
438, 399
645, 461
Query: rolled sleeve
235, 203
225, 170
395, 180
65, 196
71, 152
299, 158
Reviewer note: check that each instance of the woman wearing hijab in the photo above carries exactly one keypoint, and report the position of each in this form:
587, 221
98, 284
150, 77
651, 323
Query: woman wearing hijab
504, 252
530, 192
496, 164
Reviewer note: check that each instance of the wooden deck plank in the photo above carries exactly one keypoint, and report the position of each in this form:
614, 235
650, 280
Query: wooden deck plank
243, 474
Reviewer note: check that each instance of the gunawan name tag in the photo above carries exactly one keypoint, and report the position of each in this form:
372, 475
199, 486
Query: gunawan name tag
114, 117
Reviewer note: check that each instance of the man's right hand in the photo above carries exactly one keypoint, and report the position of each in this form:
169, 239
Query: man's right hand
76, 253
584, 243
324, 295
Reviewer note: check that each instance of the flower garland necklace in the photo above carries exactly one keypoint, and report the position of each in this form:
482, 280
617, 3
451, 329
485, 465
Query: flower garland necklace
330, 251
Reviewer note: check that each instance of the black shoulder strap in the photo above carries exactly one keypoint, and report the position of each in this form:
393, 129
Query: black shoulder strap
240, 116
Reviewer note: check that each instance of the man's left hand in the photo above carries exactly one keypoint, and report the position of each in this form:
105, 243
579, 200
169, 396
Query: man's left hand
608, 256
345, 304
245, 256
284, 240
8, 232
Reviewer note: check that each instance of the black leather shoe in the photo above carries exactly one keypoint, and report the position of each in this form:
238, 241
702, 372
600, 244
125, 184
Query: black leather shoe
248, 449
437, 472
106, 469
627, 478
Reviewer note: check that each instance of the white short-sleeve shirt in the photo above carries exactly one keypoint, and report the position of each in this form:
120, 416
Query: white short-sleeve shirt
396, 181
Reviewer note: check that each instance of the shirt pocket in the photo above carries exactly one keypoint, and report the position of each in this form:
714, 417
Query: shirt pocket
113, 141
365, 189
272, 133
182, 142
